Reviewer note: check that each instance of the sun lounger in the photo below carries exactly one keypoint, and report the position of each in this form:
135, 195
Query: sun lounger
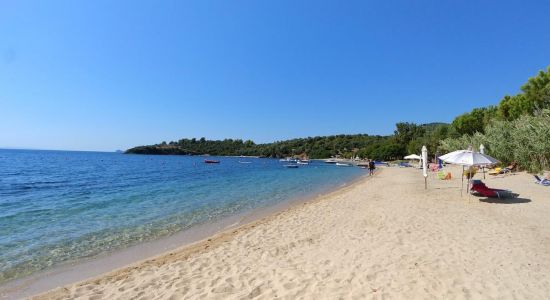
478, 187
495, 171
542, 181
509, 169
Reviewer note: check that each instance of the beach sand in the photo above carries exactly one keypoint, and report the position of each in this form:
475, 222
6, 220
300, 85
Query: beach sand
383, 237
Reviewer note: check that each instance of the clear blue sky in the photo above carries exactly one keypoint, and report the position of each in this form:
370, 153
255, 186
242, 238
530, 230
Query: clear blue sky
106, 75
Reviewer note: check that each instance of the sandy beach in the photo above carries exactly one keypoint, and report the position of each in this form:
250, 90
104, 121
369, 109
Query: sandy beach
383, 237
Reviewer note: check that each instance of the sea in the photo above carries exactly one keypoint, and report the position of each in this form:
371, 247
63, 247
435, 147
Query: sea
59, 207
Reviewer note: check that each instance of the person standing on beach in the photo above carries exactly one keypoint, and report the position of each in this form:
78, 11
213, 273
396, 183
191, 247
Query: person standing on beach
371, 167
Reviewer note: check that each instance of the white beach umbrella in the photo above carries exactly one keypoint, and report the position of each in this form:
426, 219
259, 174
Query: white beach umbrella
468, 158
413, 156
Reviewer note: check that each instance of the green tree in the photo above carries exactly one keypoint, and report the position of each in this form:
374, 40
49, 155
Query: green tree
470, 123
537, 92
406, 132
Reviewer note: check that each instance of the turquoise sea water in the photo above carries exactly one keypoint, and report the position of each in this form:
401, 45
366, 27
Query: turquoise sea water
60, 206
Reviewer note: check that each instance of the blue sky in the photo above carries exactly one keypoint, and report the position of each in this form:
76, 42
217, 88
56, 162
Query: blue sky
106, 75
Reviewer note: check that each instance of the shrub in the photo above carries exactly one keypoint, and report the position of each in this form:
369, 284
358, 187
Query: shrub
525, 140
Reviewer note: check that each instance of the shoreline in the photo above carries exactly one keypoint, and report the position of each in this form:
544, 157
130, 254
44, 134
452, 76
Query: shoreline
89, 268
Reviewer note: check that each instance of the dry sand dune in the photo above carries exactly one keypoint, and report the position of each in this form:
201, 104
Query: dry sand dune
383, 237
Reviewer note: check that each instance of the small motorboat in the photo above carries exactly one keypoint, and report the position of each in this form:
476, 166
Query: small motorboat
303, 162
291, 166
331, 161
288, 159
343, 165
245, 162
211, 161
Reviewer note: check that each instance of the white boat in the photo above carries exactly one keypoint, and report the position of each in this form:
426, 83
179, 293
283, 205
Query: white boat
245, 162
331, 161
343, 165
302, 162
288, 159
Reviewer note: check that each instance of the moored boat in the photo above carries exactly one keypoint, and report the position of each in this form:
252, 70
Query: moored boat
288, 159
343, 165
291, 166
211, 161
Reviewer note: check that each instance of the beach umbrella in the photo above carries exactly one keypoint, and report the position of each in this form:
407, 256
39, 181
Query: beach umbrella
468, 158
425, 165
413, 156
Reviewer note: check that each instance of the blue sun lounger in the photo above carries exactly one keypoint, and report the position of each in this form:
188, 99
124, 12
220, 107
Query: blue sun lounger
544, 181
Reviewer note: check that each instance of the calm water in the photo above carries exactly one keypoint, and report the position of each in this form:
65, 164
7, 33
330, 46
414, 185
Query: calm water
59, 206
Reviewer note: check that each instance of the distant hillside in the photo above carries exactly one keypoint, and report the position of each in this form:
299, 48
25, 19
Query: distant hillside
312, 147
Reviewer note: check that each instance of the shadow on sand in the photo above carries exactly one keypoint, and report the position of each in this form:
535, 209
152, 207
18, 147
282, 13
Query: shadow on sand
505, 200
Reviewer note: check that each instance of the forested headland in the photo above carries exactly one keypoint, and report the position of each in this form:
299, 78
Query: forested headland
346, 146
515, 129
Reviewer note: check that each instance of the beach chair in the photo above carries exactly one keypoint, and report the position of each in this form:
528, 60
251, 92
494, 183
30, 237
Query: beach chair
478, 187
509, 169
494, 171
542, 181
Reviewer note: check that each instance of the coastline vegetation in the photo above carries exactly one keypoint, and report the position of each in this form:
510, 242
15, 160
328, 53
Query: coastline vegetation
346, 146
517, 129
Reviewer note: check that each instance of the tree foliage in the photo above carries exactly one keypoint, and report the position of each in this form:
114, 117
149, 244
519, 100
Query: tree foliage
474, 121
313, 147
408, 138
525, 140
515, 129
406, 132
